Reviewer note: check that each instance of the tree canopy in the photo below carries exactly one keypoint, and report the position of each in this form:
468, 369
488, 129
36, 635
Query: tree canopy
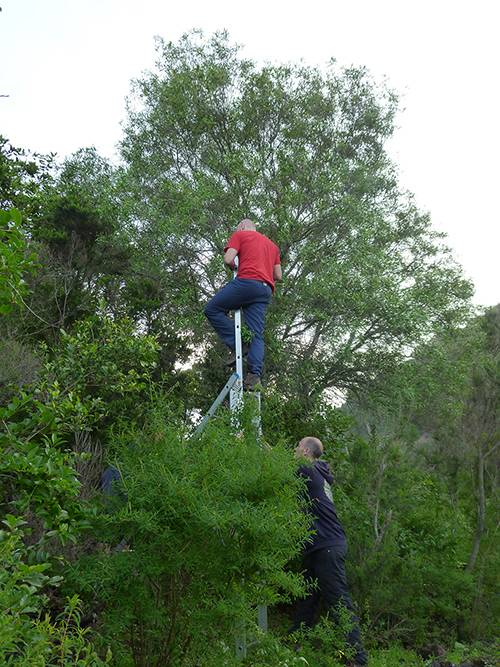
212, 137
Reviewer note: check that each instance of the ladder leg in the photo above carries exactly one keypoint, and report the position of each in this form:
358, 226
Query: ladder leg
262, 617
236, 403
211, 411
236, 395
241, 641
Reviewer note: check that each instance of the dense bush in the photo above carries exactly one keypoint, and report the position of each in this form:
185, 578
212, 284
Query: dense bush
408, 544
29, 637
210, 525
97, 376
16, 259
170, 567
39, 500
107, 365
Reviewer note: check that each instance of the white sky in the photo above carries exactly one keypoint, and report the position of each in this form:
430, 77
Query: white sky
66, 66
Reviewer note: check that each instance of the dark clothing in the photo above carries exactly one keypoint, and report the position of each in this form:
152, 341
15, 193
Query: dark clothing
110, 479
253, 297
327, 567
326, 524
324, 557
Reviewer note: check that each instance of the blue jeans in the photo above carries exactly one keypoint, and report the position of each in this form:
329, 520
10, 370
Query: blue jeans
253, 297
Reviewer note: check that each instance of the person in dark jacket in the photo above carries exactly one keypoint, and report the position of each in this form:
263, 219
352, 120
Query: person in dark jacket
325, 552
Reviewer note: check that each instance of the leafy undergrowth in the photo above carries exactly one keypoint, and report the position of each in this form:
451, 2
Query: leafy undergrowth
277, 655
488, 652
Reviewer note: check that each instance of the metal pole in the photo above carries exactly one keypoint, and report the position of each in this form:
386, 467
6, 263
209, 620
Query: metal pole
240, 642
235, 388
262, 617
235, 404
211, 411
236, 395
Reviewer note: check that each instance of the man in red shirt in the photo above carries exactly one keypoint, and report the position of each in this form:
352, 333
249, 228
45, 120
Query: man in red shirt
258, 267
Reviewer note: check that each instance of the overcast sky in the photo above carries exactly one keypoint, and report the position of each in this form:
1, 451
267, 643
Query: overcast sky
66, 66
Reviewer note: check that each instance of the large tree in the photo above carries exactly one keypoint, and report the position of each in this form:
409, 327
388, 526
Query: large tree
212, 137
442, 407
23, 177
76, 225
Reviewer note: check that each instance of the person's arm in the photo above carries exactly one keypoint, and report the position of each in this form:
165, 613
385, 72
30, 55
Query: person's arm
229, 256
277, 274
232, 249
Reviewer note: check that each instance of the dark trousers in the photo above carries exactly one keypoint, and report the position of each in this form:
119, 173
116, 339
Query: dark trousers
327, 568
253, 297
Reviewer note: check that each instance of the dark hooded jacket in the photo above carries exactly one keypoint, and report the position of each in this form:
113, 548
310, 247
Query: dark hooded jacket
326, 524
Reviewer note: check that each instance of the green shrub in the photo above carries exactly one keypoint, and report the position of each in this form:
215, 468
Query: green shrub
107, 366
407, 545
210, 524
100, 373
15, 260
28, 636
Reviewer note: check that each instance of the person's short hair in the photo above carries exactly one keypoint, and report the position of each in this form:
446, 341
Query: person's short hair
246, 223
314, 445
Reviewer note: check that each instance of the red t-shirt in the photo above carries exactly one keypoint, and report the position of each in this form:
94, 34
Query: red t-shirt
257, 255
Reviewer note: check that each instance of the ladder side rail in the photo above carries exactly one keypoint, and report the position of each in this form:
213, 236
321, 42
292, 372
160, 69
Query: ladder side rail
235, 404
220, 398
234, 386
236, 396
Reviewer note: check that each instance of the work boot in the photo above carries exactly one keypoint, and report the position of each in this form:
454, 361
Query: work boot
231, 360
251, 382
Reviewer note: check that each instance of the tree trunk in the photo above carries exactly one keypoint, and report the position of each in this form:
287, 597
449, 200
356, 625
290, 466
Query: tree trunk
481, 511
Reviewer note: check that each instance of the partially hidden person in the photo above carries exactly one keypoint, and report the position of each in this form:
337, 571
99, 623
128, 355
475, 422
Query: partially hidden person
325, 552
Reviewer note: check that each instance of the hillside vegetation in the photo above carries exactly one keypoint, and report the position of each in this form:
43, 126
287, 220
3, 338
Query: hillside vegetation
107, 362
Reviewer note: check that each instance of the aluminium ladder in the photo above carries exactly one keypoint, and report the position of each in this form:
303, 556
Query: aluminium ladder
234, 387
